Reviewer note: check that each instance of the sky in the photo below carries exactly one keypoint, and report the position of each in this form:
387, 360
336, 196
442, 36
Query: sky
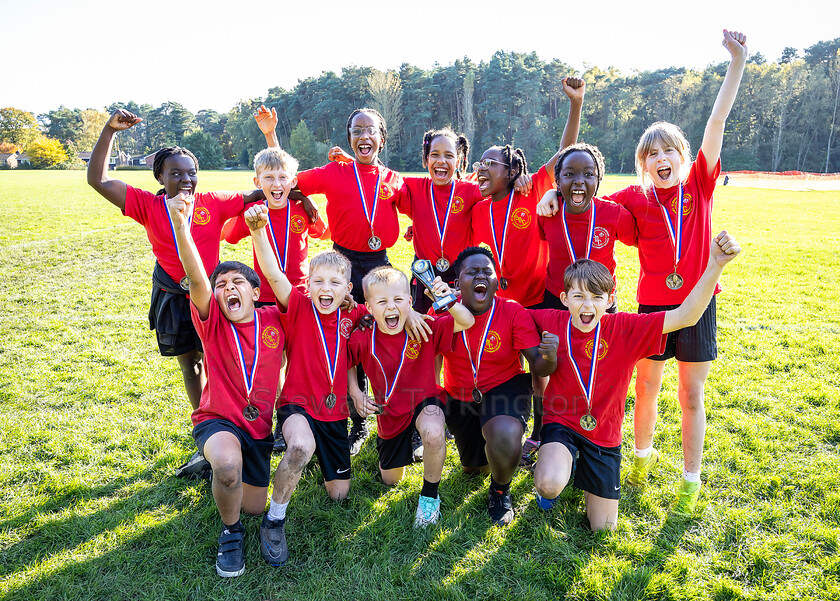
209, 55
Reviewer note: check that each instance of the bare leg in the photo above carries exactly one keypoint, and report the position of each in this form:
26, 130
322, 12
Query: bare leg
300, 446
503, 436
337, 489
192, 368
648, 384
602, 513
552, 470
692, 379
224, 453
431, 424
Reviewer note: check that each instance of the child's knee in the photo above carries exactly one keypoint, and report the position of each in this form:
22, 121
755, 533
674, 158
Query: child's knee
228, 473
549, 485
691, 400
433, 434
338, 489
299, 452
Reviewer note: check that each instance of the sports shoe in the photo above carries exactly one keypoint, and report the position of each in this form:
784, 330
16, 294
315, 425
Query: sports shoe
230, 560
279, 444
529, 453
196, 468
273, 545
358, 435
428, 511
500, 508
546, 504
416, 447
641, 468
687, 496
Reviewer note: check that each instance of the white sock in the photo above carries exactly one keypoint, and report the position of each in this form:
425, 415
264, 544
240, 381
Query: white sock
691, 476
277, 511
642, 453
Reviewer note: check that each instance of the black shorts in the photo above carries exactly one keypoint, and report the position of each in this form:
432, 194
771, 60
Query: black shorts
256, 454
362, 263
695, 344
465, 419
596, 469
397, 452
550, 301
170, 318
332, 445
419, 301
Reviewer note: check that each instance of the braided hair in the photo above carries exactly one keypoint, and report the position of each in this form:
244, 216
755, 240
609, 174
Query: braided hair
593, 151
163, 154
517, 165
462, 147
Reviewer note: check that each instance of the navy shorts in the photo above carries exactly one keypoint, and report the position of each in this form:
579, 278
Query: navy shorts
256, 454
695, 344
332, 445
465, 419
596, 469
397, 452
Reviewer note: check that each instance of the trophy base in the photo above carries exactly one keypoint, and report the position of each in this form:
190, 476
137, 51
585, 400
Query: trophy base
443, 304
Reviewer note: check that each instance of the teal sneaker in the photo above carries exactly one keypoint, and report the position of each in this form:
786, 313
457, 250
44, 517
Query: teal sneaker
641, 469
428, 511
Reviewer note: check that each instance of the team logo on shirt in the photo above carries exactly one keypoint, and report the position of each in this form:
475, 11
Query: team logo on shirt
201, 216
298, 224
688, 204
521, 218
602, 349
271, 337
493, 342
346, 326
600, 237
412, 351
385, 192
457, 204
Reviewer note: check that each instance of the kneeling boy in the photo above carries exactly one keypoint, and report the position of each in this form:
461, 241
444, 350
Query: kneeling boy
403, 377
586, 394
243, 349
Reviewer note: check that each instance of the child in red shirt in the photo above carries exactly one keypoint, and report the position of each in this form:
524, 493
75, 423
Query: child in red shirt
585, 397
403, 378
673, 218
489, 393
361, 205
244, 354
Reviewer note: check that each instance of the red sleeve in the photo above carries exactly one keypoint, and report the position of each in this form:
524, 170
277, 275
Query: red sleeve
236, 229
643, 333
314, 181
443, 333
700, 171
356, 347
136, 204
541, 227
625, 228
357, 314
523, 329
319, 229
540, 184
402, 198
620, 197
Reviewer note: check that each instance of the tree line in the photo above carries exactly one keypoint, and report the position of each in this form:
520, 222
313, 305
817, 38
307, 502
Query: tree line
785, 116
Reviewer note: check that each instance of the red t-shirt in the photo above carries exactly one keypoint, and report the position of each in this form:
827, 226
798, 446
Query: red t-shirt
656, 254
625, 339
307, 377
300, 230
525, 255
211, 211
415, 203
612, 222
511, 331
417, 380
225, 396
350, 228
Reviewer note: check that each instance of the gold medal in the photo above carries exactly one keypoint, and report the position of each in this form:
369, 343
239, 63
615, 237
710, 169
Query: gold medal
674, 281
442, 264
588, 423
185, 283
330, 400
375, 243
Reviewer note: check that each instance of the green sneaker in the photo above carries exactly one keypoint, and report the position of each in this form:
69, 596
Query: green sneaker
687, 496
641, 468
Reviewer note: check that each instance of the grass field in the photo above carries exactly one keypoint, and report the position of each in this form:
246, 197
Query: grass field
93, 422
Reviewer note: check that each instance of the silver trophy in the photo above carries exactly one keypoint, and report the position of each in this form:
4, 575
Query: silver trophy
422, 270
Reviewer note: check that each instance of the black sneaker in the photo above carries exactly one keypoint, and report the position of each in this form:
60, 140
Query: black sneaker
196, 468
358, 435
416, 446
279, 444
230, 560
500, 508
273, 545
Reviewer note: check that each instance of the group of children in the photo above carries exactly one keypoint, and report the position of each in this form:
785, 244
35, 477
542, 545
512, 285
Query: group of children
294, 338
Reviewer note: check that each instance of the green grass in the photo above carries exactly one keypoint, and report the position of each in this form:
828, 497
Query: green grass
93, 422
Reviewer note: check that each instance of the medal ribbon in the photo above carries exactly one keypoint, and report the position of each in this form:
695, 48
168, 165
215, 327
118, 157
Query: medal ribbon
282, 260
370, 216
172, 225
675, 228
501, 253
389, 390
332, 364
477, 365
248, 379
442, 232
590, 237
586, 388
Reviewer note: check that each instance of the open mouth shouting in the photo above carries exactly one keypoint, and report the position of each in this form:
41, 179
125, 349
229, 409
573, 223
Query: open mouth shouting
587, 318
365, 150
480, 290
325, 301
578, 196
392, 320
664, 173
234, 303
